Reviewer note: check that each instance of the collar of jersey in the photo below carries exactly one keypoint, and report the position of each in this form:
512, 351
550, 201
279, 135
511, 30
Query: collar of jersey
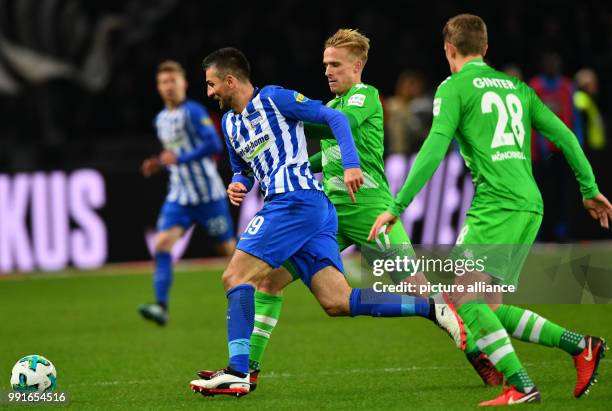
349, 90
347, 93
245, 112
473, 63
181, 104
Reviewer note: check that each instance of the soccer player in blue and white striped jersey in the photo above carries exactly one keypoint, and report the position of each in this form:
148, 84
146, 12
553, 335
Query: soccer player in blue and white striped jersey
264, 133
196, 192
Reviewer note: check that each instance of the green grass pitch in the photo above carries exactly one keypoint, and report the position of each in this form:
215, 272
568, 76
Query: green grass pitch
107, 357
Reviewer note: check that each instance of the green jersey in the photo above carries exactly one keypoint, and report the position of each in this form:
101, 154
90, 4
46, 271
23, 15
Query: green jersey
362, 106
491, 114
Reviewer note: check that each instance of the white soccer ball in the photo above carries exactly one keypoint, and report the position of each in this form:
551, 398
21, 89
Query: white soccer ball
33, 373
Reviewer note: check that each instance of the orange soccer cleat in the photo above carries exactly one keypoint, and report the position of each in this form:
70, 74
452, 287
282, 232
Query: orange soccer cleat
586, 364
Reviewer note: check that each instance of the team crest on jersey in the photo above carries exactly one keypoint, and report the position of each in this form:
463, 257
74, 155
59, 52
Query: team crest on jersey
356, 100
299, 97
206, 121
254, 119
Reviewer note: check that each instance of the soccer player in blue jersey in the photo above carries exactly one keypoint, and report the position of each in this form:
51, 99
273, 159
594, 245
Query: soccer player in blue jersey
196, 191
264, 133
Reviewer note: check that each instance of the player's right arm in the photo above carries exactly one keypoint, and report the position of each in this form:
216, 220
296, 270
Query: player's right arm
551, 127
446, 112
242, 178
150, 166
446, 115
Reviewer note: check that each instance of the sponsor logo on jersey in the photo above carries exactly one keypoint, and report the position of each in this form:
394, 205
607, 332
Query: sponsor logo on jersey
436, 106
356, 100
253, 147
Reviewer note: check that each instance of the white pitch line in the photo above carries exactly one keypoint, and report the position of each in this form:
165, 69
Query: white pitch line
274, 374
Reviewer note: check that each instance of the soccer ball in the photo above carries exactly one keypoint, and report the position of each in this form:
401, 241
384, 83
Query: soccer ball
33, 373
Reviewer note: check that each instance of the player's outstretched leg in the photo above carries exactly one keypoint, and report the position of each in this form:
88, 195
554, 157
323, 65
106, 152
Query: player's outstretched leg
530, 327
366, 301
494, 341
338, 299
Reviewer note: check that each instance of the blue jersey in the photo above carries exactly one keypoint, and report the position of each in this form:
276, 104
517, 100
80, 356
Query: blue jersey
188, 132
266, 140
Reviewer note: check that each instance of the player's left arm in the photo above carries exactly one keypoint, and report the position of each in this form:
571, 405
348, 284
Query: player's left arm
296, 106
551, 127
446, 111
210, 140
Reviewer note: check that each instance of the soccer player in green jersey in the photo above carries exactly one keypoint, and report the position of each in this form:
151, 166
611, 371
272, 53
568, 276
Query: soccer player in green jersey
344, 57
491, 115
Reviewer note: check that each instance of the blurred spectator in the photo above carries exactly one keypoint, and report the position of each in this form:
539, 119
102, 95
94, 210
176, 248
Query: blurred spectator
550, 168
585, 101
408, 114
513, 70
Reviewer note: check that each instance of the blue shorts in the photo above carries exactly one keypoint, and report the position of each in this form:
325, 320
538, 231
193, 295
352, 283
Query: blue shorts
299, 226
214, 217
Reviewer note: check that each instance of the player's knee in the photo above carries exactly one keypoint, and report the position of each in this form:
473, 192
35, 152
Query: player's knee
335, 308
271, 285
164, 242
229, 279
227, 248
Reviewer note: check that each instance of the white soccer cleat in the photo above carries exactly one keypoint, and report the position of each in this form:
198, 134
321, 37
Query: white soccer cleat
223, 382
448, 319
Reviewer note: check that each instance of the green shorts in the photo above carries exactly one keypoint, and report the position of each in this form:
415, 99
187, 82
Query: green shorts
500, 238
354, 224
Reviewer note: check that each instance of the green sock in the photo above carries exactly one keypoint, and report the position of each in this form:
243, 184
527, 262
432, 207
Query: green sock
267, 313
520, 379
530, 327
492, 339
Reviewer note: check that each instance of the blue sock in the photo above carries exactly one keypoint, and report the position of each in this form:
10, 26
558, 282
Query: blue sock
366, 301
240, 321
162, 278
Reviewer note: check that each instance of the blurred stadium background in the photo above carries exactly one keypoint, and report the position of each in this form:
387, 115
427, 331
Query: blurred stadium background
77, 97
77, 101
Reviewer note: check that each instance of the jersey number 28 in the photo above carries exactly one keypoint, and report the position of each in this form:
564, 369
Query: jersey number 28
513, 107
